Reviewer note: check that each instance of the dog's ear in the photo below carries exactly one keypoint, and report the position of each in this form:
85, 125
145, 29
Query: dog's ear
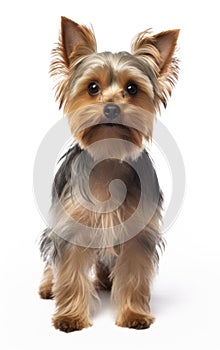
160, 47
75, 36
165, 42
158, 51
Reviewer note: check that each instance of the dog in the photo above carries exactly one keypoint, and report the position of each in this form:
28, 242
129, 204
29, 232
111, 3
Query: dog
105, 221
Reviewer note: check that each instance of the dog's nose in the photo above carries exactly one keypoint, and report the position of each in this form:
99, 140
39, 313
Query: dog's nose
111, 110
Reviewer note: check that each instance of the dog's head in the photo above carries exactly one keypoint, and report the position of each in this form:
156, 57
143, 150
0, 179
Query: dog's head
113, 97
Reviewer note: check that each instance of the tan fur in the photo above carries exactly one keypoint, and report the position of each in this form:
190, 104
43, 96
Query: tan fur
73, 289
132, 276
158, 50
46, 286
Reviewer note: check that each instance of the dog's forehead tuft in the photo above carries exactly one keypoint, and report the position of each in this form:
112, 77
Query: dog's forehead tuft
117, 61
114, 63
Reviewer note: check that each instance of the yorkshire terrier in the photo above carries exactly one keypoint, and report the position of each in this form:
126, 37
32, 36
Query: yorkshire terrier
106, 212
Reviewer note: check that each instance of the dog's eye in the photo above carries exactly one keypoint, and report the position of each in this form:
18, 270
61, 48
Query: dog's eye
132, 89
93, 88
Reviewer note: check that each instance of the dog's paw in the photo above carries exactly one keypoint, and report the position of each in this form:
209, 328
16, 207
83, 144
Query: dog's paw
68, 324
134, 320
45, 292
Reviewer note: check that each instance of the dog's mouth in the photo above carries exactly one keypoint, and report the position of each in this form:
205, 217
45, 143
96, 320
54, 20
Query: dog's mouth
110, 124
118, 125
106, 130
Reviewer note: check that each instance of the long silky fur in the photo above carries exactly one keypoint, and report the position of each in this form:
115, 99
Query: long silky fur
143, 46
122, 261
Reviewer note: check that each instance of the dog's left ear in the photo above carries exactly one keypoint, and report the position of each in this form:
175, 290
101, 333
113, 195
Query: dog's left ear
160, 47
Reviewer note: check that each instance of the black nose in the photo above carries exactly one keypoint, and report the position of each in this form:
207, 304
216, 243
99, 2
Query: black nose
111, 110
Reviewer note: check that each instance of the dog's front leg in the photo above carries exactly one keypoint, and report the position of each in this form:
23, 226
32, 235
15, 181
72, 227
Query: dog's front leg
131, 276
73, 289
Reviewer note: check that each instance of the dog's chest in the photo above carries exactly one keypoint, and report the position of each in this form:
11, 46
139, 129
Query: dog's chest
108, 198
110, 178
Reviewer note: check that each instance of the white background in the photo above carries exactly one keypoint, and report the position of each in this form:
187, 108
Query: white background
186, 293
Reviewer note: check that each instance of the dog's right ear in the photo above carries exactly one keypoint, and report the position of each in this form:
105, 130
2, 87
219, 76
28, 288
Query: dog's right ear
74, 38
